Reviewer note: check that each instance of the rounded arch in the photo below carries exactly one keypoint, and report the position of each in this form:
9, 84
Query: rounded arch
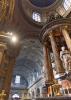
33, 94
37, 92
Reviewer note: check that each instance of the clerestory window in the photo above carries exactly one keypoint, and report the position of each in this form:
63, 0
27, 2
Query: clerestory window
67, 4
36, 17
17, 79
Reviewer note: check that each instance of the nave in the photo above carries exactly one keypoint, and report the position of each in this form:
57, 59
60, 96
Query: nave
35, 50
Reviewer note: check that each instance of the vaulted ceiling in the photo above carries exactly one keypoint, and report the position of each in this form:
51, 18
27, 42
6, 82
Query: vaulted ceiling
30, 59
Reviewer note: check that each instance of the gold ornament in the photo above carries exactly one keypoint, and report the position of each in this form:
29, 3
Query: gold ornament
6, 9
11, 9
2, 9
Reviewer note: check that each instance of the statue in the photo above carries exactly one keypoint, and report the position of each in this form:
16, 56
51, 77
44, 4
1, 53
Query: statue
66, 59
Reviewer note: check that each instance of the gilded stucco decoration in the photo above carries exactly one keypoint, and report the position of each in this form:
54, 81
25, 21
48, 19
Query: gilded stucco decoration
6, 9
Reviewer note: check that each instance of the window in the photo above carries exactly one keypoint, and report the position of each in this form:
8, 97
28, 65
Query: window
67, 4
17, 79
36, 17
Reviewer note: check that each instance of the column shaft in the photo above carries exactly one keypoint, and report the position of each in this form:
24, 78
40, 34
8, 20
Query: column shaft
59, 67
67, 38
47, 65
8, 78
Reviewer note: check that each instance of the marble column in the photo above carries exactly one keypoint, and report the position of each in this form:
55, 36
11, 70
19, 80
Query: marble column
48, 71
67, 38
59, 66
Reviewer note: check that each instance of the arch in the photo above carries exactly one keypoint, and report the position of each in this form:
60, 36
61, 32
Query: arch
33, 94
37, 92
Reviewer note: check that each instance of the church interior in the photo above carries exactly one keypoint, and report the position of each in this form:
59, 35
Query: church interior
35, 49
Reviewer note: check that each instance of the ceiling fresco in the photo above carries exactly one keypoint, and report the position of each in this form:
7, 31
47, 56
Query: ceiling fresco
42, 3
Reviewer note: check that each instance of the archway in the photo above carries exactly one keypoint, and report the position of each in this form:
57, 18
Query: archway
37, 92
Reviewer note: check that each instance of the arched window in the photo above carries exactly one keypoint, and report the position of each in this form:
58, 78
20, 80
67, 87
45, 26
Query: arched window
67, 4
37, 92
17, 79
36, 17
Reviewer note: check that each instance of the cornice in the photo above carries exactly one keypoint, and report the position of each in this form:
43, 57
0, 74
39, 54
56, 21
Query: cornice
52, 25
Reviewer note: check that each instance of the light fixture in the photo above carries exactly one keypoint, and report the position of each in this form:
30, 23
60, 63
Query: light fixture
14, 39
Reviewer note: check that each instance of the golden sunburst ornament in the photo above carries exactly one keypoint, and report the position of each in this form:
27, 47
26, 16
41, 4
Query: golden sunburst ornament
6, 9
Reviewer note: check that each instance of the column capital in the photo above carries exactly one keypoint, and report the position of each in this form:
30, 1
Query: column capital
45, 44
50, 32
65, 27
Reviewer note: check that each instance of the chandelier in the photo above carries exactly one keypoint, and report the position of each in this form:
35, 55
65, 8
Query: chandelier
6, 9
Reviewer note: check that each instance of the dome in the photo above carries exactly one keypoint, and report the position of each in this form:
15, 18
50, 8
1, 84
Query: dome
42, 3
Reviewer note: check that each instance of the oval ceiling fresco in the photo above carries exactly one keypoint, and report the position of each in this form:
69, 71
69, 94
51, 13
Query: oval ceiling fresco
42, 3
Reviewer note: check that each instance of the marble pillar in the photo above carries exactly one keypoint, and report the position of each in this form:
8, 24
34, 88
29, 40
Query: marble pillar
59, 67
67, 38
48, 71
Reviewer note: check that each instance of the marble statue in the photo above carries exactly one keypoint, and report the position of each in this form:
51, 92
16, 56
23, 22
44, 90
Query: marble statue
65, 56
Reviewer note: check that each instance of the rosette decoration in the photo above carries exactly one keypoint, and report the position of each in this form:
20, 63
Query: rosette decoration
6, 9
